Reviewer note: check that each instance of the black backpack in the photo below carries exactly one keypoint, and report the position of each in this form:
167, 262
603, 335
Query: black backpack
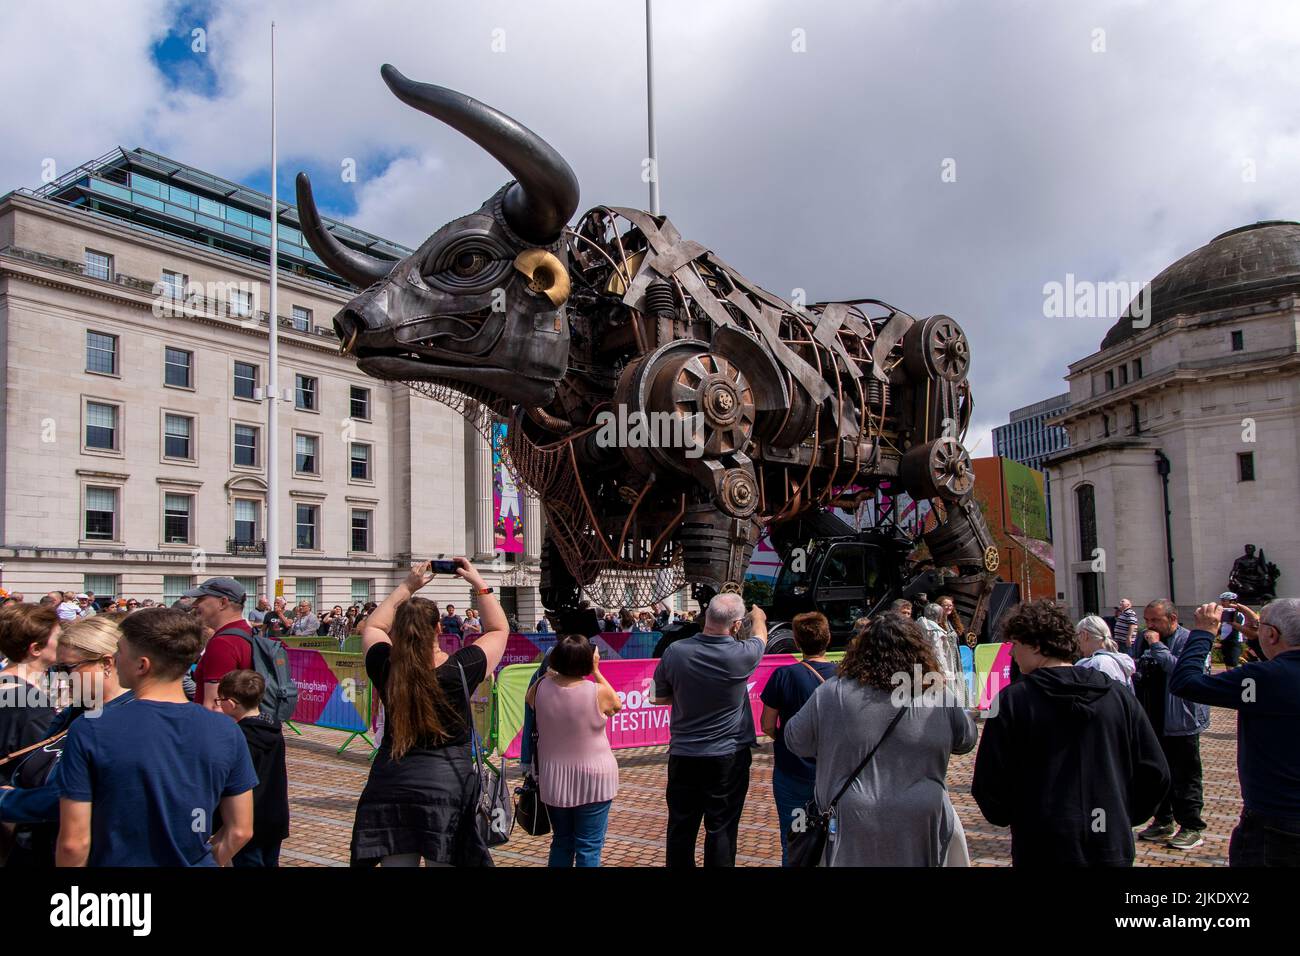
271, 660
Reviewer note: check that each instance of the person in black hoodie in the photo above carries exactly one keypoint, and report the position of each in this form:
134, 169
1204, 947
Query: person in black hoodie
1068, 760
239, 695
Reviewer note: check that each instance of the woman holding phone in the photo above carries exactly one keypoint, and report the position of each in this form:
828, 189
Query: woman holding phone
421, 798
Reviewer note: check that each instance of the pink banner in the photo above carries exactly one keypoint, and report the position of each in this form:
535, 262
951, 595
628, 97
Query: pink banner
643, 724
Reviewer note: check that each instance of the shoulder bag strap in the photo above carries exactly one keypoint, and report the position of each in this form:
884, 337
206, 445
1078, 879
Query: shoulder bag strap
36, 746
867, 759
816, 673
469, 720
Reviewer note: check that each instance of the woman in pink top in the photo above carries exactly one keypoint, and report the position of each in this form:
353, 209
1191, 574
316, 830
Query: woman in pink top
578, 774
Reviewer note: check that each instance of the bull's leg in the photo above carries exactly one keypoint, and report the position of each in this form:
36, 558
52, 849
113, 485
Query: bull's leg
965, 542
715, 550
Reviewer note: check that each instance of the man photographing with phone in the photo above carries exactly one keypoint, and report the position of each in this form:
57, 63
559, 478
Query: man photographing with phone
706, 680
1266, 696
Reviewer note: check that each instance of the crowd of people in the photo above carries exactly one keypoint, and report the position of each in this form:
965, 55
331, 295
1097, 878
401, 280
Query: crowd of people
143, 736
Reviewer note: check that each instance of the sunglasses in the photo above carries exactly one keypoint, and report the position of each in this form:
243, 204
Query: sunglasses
69, 668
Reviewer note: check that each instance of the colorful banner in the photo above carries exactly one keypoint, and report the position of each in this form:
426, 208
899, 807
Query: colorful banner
992, 671
639, 724
1025, 499
507, 513
531, 648
333, 689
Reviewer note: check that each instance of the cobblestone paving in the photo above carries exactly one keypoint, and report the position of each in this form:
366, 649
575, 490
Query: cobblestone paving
324, 786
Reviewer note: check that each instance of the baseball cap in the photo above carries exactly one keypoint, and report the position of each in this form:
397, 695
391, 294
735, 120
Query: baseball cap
228, 588
83, 597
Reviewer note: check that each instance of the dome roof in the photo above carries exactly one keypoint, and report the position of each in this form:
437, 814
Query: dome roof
1248, 264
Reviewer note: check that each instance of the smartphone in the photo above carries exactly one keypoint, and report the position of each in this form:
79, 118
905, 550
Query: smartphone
443, 567
1228, 616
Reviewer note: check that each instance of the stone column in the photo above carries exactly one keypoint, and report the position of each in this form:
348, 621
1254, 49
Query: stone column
485, 532
532, 529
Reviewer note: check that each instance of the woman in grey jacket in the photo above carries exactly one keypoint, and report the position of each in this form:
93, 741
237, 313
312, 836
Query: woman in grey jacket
896, 812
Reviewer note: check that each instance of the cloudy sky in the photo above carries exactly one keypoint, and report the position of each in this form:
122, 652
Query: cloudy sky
943, 156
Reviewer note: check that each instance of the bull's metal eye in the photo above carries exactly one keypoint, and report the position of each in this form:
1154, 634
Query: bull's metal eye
468, 264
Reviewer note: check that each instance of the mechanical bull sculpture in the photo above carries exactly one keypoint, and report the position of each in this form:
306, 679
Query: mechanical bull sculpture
507, 314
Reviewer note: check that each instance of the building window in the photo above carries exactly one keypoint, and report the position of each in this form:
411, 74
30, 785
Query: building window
176, 518
1246, 466
1137, 423
360, 403
240, 302
252, 590
307, 520
304, 457
1110, 379
361, 590
304, 397
1137, 368
100, 585
245, 380
177, 434
173, 284
175, 586
246, 446
306, 589
101, 353
177, 367
1086, 505
361, 531
360, 462
1123, 374
99, 265
1238, 341
101, 514
301, 319
246, 519
101, 426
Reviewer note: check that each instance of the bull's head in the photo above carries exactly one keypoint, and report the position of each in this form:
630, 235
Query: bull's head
481, 302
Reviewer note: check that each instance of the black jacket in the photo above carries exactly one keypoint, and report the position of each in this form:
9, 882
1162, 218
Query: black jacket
1071, 764
271, 795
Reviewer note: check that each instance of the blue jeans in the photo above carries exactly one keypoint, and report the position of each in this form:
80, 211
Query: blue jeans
578, 834
791, 794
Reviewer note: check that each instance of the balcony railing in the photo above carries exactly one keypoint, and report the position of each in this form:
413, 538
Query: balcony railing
188, 305
241, 547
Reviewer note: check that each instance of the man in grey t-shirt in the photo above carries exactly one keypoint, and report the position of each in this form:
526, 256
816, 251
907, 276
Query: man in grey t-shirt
706, 680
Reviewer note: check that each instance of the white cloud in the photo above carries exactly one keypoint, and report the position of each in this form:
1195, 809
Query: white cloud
819, 170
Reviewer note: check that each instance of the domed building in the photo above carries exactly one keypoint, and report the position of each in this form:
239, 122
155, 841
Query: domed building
1185, 432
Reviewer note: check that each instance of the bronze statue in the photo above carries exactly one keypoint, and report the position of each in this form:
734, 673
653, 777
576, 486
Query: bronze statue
1254, 577
664, 408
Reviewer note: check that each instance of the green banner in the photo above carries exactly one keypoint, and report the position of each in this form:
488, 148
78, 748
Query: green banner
1026, 501
512, 685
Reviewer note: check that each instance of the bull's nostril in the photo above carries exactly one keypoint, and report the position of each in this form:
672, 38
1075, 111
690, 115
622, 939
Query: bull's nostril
345, 327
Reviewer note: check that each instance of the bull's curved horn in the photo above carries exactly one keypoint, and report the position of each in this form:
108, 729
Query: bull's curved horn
545, 193
357, 267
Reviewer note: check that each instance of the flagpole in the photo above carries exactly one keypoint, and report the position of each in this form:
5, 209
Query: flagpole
272, 449
650, 114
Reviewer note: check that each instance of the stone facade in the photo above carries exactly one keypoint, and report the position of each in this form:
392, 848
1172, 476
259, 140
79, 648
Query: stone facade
423, 459
1216, 391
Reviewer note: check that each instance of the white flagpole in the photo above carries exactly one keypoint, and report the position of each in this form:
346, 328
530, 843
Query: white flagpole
650, 114
272, 449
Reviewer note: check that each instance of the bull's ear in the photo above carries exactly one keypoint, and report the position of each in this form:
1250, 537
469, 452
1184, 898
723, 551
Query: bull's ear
545, 192
358, 268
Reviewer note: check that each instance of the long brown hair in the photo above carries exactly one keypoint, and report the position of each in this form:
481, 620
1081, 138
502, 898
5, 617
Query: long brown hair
893, 644
415, 706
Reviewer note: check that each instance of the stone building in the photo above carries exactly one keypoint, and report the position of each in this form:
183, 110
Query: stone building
1184, 431
133, 350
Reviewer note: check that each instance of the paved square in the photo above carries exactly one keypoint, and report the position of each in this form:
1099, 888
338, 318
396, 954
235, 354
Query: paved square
324, 786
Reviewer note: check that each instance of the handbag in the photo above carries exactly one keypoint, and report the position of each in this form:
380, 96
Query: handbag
530, 812
494, 814
805, 846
